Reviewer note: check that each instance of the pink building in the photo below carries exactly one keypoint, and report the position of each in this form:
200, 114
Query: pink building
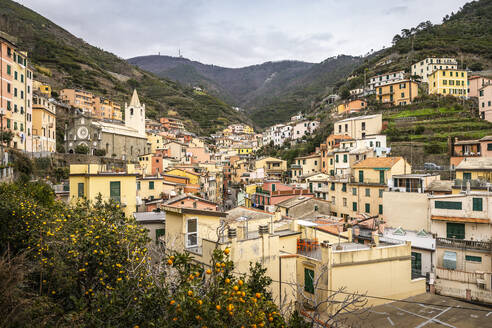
476, 82
486, 146
485, 102
198, 155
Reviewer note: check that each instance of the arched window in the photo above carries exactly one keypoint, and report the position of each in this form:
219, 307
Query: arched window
131, 111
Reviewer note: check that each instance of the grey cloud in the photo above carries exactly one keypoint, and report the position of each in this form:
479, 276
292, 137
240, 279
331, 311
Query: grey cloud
237, 33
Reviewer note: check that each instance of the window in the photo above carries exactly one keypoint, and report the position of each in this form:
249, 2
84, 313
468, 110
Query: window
489, 146
80, 189
308, 280
455, 230
336, 158
477, 204
158, 234
472, 258
449, 260
345, 158
115, 191
333, 186
361, 176
151, 185
466, 176
368, 192
344, 187
138, 185
368, 208
354, 191
354, 206
380, 210
344, 202
192, 232
363, 125
9, 70
447, 205
381, 193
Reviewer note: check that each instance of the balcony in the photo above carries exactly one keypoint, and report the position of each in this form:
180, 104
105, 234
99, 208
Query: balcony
474, 184
309, 248
464, 244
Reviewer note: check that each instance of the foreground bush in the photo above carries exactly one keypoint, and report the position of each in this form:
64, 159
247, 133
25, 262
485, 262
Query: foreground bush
88, 266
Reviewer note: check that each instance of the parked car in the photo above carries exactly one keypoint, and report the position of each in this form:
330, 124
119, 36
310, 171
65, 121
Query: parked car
431, 166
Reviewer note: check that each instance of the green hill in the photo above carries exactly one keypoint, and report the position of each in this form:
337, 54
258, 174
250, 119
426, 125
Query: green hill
65, 61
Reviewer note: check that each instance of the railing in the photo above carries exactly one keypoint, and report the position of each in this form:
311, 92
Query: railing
309, 248
464, 244
459, 183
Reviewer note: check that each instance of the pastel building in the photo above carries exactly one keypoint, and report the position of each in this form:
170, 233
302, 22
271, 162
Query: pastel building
383, 79
475, 83
427, 66
397, 93
16, 89
43, 124
485, 102
450, 82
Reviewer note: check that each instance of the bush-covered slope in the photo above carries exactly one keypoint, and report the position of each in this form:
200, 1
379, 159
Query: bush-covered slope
64, 60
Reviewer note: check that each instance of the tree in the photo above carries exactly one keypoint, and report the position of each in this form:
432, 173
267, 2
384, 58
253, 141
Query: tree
81, 149
331, 308
6, 136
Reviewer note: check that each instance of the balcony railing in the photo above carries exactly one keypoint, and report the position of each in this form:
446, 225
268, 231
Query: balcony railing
459, 183
464, 244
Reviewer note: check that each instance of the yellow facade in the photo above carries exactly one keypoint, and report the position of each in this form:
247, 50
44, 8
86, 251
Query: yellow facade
244, 150
450, 82
45, 89
145, 164
43, 125
386, 274
21, 89
156, 142
248, 129
150, 187
194, 178
398, 93
87, 181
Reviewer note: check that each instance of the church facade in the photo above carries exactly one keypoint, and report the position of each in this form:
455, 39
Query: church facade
122, 141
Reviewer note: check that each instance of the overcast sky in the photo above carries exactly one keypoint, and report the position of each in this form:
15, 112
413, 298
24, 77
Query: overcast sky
235, 33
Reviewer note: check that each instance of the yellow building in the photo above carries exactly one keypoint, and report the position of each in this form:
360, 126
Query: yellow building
45, 89
273, 167
397, 93
156, 142
248, 129
150, 187
305, 165
87, 181
194, 177
327, 268
475, 172
448, 82
21, 88
250, 237
244, 150
43, 124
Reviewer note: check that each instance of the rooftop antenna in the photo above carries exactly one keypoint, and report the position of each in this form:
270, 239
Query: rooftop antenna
179, 53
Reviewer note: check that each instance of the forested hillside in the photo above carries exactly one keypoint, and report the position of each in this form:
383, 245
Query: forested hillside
65, 61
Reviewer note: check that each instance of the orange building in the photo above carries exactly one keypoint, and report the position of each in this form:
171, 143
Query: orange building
352, 106
397, 93
172, 123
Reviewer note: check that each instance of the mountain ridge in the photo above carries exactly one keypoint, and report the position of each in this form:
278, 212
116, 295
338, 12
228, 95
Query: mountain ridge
65, 61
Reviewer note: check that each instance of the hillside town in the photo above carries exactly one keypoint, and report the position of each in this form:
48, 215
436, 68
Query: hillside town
350, 210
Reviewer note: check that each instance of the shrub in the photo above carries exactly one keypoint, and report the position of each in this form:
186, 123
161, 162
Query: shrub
100, 152
81, 149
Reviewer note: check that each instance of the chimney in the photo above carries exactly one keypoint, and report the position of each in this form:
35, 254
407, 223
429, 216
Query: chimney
375, 238
350, 235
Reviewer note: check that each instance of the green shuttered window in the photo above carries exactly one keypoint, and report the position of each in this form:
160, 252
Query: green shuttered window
309, 280
447, 205
115, 191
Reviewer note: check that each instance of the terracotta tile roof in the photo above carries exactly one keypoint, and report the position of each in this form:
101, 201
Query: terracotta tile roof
376, 162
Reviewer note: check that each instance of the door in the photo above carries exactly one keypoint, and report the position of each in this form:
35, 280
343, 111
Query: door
416, 265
